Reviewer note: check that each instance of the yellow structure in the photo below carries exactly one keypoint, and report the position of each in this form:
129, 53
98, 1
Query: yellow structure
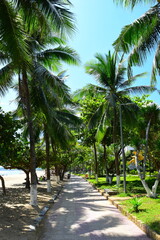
133, 160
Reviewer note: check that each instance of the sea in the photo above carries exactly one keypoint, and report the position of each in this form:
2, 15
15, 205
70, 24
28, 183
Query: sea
4, 172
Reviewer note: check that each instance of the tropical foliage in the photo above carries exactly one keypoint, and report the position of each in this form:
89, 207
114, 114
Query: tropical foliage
110, 72
141, 37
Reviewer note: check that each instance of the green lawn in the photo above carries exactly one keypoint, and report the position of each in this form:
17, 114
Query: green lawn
134, 186
149, 212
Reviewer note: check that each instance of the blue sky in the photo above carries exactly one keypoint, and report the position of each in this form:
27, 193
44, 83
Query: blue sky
99, 23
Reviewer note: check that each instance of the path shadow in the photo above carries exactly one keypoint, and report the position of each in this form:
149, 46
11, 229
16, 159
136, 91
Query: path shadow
67, 217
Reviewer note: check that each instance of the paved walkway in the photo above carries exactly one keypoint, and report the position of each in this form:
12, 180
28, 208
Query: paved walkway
81, 213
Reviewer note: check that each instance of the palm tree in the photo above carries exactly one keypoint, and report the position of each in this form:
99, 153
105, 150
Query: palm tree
50, 110
141, 37
19, 18
41, 57
18, 21
109, 71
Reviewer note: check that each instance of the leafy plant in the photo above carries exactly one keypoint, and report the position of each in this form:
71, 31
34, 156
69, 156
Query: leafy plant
136, 203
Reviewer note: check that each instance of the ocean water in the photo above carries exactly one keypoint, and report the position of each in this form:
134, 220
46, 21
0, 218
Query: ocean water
4, 172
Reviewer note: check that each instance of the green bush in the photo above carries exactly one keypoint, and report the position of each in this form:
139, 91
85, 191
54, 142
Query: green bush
136, 203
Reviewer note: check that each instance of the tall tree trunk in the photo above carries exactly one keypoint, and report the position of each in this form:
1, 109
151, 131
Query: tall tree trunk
96, 161
26, 101
146, 149
63, 172
123, 152
48, 162
116, 155
3, 185
155, 186
105, 162
27, 179
54, 150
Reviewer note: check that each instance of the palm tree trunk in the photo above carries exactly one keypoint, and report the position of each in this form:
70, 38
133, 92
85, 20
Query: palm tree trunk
48, 162
96, 161
105, 162
54, 150
115, 150
26, 102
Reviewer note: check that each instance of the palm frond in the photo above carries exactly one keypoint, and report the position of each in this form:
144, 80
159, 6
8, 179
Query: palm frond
58, 131
52, 56
139, 89
11, 28
59, 13
131, 81
6, 78
156, 66
140, 38
120, 71
90, 90
54, 81
102, 129
130, 112
55, 11
103, 69
4, 57
145, 45
69, 119
34, 19
140, 29
133, 3
97, 117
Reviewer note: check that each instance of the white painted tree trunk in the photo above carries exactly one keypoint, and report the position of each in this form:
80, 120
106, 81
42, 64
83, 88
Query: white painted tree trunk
154, 188
110, 180
148, 190
58, 179
107, 178
150, 193
96, 177
48, 185
33, 195
118, 180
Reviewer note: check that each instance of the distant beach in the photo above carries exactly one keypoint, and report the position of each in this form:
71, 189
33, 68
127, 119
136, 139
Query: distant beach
15, 178
6, 172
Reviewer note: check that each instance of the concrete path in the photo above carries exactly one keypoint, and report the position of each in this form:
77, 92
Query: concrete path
81, 213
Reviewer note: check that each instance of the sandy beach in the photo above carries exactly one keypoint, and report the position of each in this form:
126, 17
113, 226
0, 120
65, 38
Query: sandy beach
16, 214
17, 179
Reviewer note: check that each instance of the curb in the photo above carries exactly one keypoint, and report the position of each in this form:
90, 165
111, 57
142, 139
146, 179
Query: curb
140, 224
44, 210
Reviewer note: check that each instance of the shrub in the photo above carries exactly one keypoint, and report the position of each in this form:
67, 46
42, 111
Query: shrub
136, 203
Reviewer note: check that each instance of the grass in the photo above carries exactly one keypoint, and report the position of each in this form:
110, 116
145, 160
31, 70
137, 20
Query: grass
149, 211
134, 186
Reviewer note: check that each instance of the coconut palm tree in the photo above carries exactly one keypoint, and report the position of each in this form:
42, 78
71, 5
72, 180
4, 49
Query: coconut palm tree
141, 37
110, 72
41, 57
18, 21
19, 18
50, 110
